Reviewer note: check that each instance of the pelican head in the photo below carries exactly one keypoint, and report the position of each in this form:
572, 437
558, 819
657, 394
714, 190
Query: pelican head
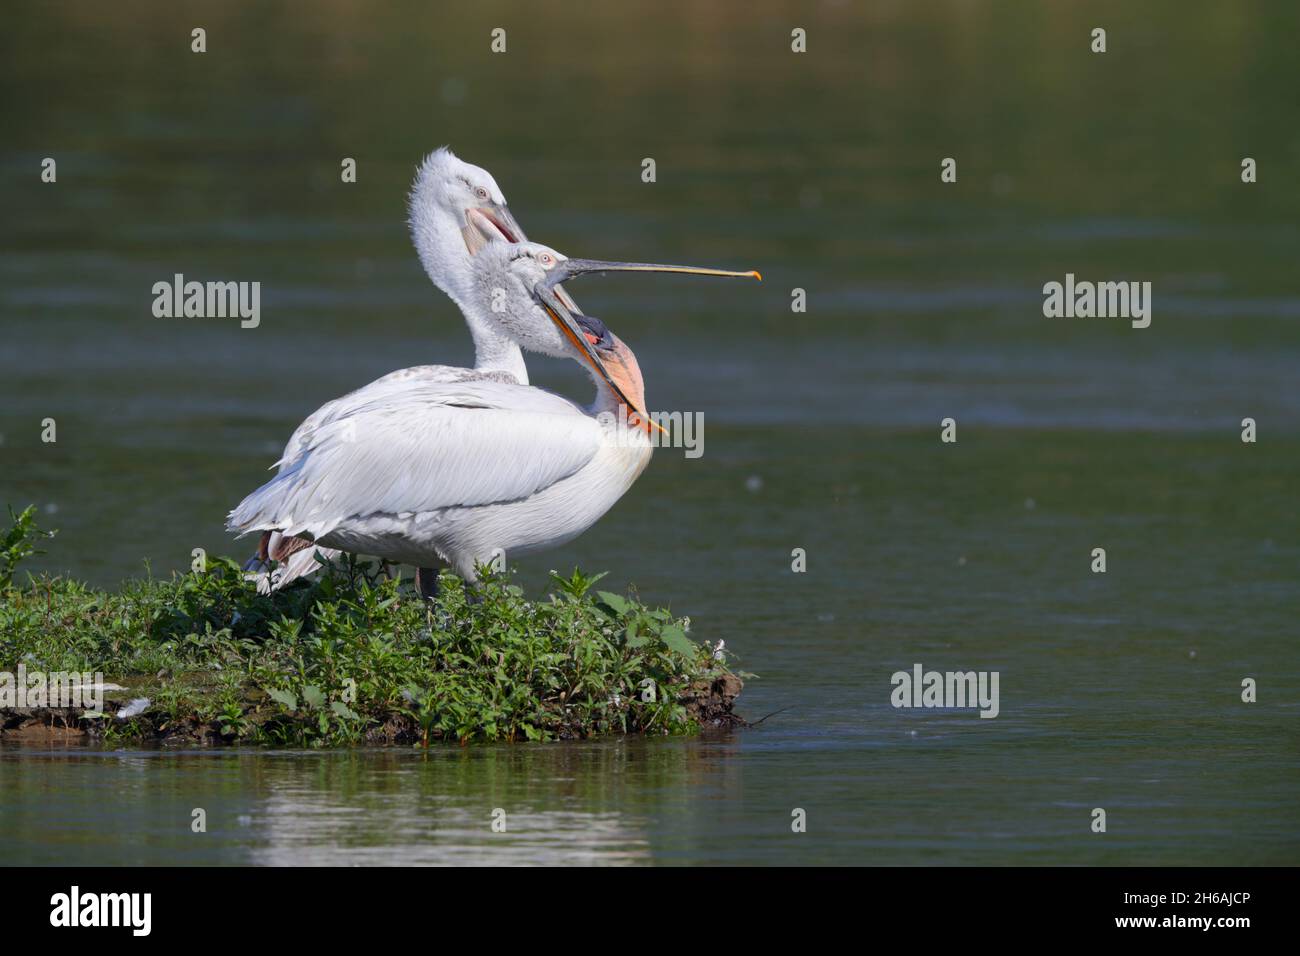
518, 284
456, 209
519, 281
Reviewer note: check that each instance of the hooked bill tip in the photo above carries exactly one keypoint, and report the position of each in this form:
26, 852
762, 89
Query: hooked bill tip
756, 274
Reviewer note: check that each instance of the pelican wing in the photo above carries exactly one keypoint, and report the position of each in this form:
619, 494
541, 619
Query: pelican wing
419, 374
409, 446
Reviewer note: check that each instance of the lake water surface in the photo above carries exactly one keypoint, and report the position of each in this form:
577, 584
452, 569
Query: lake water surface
1118, 690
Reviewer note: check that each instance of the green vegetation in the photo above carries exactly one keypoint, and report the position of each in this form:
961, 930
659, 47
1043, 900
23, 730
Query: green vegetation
356, 657
19, 542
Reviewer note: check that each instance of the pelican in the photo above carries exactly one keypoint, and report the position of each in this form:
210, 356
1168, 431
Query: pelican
453, 471
455, 209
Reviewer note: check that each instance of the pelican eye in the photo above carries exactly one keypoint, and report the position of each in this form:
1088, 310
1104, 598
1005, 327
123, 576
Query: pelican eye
480, 192
546, 259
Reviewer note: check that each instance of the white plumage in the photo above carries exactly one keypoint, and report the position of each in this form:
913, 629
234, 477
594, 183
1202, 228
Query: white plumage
439, 466
427, 472
455, 209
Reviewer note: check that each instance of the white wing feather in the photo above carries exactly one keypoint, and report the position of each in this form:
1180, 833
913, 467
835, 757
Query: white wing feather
422, 374
405, 447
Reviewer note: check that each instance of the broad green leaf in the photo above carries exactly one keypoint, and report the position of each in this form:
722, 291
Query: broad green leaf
676, 639
612, 601
285, 698
343, 710
313, 696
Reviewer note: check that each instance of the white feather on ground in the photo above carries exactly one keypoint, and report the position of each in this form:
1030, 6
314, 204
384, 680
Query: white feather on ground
134, 709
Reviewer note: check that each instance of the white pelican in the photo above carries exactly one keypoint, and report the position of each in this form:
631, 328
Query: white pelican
455, 209
452, 471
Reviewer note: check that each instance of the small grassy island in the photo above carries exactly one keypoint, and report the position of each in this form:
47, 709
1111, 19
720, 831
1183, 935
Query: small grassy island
353, 657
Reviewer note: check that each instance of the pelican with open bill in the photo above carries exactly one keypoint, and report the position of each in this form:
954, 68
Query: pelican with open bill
449, 474
550, 298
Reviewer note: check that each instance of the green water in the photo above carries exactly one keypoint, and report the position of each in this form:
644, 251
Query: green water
1119, 691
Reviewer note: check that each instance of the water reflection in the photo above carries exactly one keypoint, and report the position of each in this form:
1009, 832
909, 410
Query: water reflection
583, 803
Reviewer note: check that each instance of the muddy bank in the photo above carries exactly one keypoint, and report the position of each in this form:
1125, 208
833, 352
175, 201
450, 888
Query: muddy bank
709, 703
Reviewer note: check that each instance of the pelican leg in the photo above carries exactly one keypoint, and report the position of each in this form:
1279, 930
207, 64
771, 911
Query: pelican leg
426, 582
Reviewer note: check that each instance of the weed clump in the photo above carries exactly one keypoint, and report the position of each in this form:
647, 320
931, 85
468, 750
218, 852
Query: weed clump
355, 657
